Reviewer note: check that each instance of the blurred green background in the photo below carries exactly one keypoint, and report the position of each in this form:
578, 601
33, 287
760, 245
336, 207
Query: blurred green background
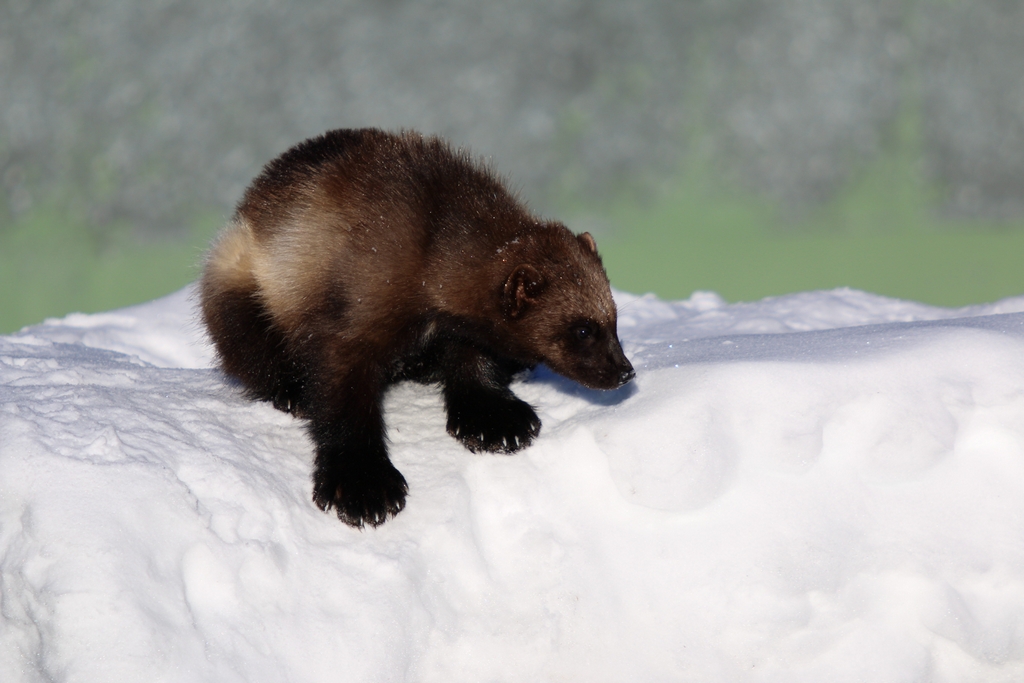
749, 147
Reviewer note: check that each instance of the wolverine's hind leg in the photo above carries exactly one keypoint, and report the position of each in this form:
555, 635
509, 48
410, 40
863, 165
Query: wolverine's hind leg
251, 348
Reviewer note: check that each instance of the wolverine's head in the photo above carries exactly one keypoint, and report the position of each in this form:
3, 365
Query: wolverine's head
560, 305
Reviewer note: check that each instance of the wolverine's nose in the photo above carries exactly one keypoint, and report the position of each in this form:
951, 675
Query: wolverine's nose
626, 373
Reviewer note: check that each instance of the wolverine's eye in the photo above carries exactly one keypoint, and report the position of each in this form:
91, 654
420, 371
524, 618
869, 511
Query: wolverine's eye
583, 331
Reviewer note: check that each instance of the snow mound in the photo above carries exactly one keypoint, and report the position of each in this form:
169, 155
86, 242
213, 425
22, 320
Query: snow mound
824, 486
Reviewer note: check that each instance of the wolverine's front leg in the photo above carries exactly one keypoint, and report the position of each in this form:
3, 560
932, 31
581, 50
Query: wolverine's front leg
352, 472
483, 413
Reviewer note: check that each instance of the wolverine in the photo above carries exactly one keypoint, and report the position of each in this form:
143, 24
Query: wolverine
361, 258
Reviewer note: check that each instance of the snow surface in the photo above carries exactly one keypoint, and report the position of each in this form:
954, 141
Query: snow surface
827, 486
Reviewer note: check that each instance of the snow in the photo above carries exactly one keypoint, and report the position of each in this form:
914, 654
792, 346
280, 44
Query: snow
823, 486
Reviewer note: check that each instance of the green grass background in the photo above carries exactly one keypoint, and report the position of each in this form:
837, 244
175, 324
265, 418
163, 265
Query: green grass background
51, 265
883, 231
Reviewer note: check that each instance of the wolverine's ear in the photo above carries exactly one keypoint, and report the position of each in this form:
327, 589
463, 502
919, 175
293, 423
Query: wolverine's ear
587, 240
522, 288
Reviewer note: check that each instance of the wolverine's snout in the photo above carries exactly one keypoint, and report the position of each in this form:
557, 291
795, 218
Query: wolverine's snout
626, 373
608, 370
622, 364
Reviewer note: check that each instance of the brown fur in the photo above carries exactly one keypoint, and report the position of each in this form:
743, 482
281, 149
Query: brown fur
360, 258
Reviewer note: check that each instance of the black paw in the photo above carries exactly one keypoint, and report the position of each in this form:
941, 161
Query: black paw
367, 493
492, 422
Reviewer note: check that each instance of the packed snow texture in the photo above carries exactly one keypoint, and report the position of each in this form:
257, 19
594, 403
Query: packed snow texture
827, 486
